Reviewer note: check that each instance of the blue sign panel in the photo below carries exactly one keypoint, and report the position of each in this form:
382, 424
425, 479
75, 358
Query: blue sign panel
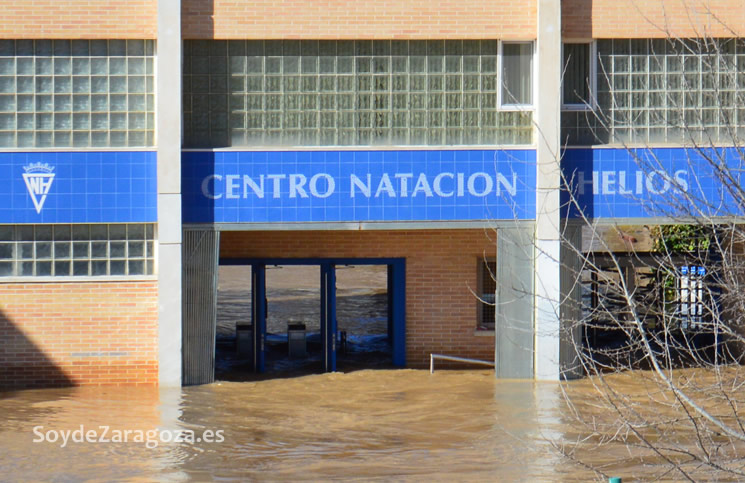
330, 186
652, 182
78, 187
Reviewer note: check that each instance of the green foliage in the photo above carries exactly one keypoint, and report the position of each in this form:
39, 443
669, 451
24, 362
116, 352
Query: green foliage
675, 239
678, 240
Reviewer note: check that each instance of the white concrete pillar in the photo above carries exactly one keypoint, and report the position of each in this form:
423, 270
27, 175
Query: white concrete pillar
548, 231
168, 115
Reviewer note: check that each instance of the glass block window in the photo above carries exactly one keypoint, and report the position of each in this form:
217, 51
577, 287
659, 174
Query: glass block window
76, 93
346, 93
665, 91
77, 250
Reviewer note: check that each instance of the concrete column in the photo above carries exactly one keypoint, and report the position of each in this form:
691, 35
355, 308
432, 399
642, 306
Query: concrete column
168, 115
514, 345
548, 231
571, 301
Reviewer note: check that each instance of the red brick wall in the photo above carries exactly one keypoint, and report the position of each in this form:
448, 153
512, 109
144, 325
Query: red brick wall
360, 19
441, 266
54, 334
76, 19
603, 19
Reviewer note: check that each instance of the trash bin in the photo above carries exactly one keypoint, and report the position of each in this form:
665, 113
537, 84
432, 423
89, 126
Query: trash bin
244, 341
296, 341
343, 341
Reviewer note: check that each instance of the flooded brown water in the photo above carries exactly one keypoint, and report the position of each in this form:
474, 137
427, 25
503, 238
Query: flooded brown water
400, 424
380, 425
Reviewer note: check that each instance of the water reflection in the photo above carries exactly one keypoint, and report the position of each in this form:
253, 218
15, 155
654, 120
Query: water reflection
371, 424
293, 297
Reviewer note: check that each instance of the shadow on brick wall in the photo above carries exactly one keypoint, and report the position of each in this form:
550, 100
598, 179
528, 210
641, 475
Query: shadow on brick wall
577, 19
23, 364
197, 19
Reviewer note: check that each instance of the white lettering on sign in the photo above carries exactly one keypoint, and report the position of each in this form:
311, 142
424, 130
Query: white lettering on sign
355, 183
258, 189
297, 183
437, 185
330, 185
232, 186
276, 184
631, 183
390, 185
412, 185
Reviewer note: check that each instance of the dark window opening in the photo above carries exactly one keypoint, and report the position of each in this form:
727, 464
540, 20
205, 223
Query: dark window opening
487, 294
577, 74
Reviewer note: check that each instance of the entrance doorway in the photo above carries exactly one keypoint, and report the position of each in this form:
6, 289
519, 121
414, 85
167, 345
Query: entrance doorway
363, 316
315, 315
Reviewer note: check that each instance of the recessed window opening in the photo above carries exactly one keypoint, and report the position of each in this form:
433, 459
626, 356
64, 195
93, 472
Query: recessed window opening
517, 74
579, 73
487, 272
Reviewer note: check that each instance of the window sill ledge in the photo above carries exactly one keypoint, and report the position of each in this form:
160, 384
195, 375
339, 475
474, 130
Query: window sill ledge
80, 279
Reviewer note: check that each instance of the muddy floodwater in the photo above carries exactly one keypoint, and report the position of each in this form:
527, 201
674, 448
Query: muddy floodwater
370, 424
374, 423
400, 425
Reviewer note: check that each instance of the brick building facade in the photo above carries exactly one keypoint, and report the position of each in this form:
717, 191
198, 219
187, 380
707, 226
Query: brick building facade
418, 133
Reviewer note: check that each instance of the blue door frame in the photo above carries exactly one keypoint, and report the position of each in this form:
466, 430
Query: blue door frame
328, 315
258, 314
396, 303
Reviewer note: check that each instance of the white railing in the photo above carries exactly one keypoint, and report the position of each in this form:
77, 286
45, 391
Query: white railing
443, 357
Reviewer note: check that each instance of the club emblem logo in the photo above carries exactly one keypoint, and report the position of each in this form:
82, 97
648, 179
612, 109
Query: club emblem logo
38, 178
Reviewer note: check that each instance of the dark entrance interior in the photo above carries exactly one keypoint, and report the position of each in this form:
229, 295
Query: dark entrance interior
673, 298
285, 317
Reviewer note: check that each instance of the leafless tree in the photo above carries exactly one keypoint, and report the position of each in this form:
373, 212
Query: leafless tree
660, 328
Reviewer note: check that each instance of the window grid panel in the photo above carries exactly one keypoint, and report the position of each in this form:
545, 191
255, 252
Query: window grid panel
649, 91
77, 250
340, 93
98, 94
